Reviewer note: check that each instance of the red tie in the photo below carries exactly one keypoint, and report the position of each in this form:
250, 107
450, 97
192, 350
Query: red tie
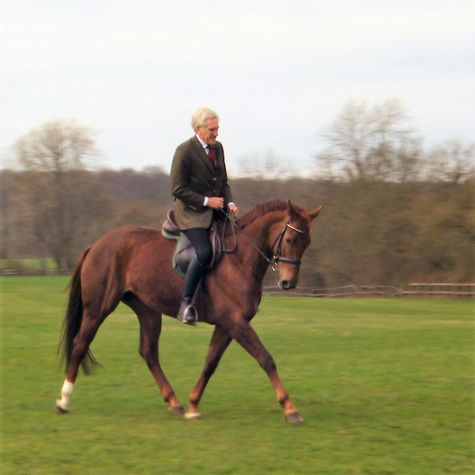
212, 154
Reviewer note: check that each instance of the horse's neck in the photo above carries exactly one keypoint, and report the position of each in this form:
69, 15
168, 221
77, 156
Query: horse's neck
260, 229
254, 244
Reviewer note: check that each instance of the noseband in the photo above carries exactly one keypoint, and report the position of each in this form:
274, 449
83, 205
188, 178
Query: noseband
277, 257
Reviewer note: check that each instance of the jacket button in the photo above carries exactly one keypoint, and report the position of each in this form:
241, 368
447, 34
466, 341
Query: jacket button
214, 178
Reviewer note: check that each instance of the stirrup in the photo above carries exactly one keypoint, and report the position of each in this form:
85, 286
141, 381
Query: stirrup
187, 314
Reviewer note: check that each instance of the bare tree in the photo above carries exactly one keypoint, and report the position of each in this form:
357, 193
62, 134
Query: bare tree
55, 154
452, 161
372, 143
57, 146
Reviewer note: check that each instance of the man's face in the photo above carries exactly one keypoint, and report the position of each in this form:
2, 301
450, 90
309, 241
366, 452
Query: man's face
209, 131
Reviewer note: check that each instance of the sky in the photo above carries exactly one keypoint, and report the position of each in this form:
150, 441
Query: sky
277, 72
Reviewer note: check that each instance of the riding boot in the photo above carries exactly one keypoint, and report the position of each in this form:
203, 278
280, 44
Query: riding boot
187, 312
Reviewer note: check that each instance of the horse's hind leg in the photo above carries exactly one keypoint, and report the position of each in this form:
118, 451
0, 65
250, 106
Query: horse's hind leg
90, 302
80, 349
150, 328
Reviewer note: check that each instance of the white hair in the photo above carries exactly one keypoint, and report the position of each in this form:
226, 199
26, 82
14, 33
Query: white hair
201, 115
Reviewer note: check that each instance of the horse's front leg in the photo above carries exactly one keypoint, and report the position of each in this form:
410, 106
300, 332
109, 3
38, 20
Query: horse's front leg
218, 344
246, 336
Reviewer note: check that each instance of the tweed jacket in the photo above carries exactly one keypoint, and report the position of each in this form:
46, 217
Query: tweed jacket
193, 177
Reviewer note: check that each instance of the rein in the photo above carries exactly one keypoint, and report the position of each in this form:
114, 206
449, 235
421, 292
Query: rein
277, 256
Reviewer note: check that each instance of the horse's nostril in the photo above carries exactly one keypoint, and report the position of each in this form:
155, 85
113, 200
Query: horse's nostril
285, 284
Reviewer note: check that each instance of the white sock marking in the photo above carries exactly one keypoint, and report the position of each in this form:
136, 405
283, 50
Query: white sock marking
66, 393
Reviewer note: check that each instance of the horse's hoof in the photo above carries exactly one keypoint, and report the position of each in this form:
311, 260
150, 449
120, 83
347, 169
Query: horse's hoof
294, 418
59, 409
177, 410
190, 416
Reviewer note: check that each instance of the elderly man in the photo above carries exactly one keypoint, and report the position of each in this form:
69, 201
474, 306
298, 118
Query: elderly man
200, 188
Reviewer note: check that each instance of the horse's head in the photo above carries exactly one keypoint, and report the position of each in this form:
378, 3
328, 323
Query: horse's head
289, 241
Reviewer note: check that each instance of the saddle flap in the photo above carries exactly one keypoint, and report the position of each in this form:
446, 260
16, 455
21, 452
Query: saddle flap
184, 251
170, 229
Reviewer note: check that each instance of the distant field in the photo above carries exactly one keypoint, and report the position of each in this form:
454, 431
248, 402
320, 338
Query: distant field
33, 264
385, 386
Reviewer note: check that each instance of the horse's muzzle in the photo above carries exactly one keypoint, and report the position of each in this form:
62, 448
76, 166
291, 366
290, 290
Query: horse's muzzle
286, 284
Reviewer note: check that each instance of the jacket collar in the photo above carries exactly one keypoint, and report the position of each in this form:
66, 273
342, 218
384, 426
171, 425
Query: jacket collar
202, 152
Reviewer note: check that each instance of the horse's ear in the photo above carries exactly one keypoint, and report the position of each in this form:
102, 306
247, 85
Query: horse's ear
315, 212
291, 209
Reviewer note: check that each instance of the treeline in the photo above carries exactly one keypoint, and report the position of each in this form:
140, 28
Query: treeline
369, 232
395, 212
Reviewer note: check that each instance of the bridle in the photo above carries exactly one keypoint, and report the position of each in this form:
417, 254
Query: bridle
276, 256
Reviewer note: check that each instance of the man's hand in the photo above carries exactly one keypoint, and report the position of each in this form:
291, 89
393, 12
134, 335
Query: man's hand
233, 209
215, 202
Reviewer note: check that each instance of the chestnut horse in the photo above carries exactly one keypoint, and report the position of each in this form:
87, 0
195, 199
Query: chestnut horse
132, 264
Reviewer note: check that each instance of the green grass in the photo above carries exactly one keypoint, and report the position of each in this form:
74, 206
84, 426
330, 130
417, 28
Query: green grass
385, 387
31, 264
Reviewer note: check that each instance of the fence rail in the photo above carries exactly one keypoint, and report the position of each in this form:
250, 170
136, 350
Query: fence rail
458, 290
415, 289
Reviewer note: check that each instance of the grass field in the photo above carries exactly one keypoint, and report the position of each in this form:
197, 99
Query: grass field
34, 264
386, 386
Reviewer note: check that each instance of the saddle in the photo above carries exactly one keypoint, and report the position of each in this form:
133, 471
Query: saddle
184, 251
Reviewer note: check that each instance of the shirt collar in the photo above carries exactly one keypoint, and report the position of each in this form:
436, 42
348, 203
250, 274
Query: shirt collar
203, 144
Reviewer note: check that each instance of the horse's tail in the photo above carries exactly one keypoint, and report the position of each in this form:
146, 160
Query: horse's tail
73, 318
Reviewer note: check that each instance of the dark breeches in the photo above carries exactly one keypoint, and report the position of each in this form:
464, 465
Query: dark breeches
197, 268
199, 238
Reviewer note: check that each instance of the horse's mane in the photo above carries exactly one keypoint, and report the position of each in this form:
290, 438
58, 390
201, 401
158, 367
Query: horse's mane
264, 208
260, 210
